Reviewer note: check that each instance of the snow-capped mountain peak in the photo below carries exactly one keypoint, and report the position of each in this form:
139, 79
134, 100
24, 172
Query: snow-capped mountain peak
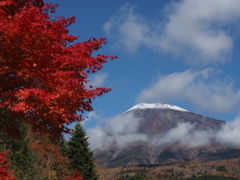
155, 106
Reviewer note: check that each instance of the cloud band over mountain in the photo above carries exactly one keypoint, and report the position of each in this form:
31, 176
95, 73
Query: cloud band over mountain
123, 130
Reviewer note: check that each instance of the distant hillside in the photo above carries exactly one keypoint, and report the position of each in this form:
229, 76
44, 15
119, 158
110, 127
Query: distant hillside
163, 127
223, 169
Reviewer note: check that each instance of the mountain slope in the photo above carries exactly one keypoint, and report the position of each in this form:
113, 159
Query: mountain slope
173, 135
155, 121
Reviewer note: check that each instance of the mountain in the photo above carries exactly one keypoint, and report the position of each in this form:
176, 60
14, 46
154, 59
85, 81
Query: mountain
155, 106
158, 120
170, 134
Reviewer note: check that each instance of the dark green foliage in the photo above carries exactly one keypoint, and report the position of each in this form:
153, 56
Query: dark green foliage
63, 144
127, 171
123, 177
139, 175
7, 125
64, 148
221, 169
79, 154
20, 154
169, 170
136, 177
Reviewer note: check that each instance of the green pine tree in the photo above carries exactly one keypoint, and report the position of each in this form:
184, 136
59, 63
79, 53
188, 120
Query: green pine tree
80, 155
20, 154
63, 144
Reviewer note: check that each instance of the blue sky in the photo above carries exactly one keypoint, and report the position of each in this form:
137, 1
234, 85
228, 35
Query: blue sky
184, 53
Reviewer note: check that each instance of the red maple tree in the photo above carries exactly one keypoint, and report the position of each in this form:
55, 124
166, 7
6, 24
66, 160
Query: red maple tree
76, 176
5, 174
43, 79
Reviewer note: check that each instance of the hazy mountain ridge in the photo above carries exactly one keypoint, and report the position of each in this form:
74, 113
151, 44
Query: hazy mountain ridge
161, 123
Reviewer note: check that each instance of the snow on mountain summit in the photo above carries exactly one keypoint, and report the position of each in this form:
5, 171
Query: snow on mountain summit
155, 106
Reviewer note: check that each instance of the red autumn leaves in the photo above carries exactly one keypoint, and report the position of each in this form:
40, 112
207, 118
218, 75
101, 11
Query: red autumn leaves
42, 77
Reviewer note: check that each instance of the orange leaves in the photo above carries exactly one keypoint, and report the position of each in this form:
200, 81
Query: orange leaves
49, 159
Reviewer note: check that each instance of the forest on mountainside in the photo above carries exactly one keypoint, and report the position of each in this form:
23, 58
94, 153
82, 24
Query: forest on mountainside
222, 169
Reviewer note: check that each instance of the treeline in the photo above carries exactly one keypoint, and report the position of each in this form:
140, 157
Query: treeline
145, 165
207, 177
153, 165
139, 176
37, 156
169, 174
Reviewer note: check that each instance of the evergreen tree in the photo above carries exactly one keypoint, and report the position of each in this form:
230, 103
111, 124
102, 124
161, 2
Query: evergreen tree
137, 176
80, 155
20, 154
63, 144
64, 147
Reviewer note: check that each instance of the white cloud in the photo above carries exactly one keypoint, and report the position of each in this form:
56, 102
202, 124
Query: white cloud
92, 115
196, 30
130, 29
99, 139
123, 129
201, 27
98, 79
184, 134
120, 130
197, 87
230, 133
